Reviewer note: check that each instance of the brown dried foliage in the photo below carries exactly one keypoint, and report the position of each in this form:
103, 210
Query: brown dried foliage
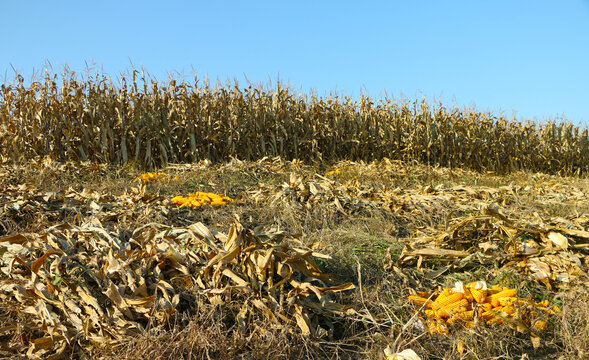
152, 124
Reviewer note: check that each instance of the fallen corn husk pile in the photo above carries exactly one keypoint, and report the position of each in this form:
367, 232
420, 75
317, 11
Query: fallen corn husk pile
306, 193
476, 304
553, 255
89, 285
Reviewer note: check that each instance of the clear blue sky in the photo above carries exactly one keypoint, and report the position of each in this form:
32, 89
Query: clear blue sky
527, 57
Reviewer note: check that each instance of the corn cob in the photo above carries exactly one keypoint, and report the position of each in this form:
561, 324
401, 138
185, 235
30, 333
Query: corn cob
487, 315
440, 327
443, 301
460, 347
507, 301
468, 295
478, 295
457, 306
464, 315
486, 306
510, 310
505, 293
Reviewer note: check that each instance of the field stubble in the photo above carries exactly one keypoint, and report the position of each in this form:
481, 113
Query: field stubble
369, 218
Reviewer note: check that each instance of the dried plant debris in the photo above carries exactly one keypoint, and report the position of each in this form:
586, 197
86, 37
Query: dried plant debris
83, 269
85, 284
25, 207
304, 193
551, 254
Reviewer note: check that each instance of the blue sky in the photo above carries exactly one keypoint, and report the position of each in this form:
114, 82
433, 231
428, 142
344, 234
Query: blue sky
530, 58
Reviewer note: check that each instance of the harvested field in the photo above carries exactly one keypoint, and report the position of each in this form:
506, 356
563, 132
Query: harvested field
309, 260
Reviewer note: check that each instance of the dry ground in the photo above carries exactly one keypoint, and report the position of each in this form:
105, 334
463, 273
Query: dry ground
361, 215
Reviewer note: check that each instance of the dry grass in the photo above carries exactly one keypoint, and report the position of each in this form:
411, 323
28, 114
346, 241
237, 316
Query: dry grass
359, 239
152, 124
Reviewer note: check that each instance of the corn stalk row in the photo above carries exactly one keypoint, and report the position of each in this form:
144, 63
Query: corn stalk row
152, 123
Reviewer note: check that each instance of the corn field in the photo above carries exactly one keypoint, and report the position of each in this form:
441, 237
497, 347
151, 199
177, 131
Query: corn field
153, 123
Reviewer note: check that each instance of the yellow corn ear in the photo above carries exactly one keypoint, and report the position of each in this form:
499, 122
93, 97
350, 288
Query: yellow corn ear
430, 313
440, 297
487, 315
444, 301
460, 347
505, 293
478, 295
486, 306
464, 315
468, 295
457, 306
510, 310
507, 301
440, 327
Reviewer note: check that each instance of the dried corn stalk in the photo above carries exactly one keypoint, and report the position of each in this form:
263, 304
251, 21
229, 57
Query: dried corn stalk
87, 282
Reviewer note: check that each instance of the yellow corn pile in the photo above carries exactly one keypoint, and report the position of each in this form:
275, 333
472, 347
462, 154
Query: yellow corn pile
198, 199
150, 176
476, 304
